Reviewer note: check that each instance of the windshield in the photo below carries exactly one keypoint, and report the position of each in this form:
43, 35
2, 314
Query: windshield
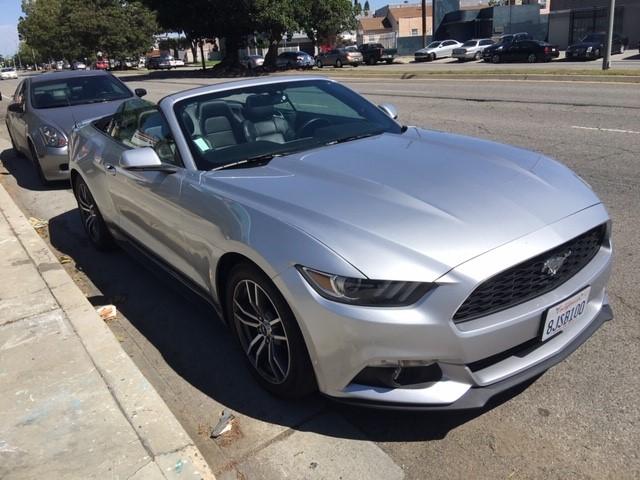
593, 38
433, 44
77, 91
232, 126
469, 43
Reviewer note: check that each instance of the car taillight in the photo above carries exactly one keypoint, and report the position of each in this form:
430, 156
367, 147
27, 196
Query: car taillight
547, 49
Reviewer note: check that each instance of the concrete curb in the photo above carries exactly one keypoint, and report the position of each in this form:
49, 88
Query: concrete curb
172, 453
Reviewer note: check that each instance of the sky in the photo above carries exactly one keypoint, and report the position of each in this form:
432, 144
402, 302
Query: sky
10, 11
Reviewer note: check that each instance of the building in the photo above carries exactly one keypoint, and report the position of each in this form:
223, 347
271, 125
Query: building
571, 20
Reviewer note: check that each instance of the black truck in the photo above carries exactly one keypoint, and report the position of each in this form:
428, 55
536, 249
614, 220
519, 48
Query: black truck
374, 52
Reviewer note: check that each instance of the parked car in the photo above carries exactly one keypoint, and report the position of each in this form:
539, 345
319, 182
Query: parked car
46, 107
530, 51
514, 37
338, 57
176, 62
471, 49
593, 46
252, 62
373, 53
101, 64
437, 50
297, 59
160, 63
78, 66
8, 73
306, 216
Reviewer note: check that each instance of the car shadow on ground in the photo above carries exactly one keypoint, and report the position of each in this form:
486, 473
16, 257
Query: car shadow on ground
24, 172
199, 348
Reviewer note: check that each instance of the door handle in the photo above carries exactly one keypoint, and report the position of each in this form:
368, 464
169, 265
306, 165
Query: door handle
110, 168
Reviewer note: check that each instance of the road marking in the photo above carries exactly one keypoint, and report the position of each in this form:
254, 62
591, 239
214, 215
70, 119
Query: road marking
613, 130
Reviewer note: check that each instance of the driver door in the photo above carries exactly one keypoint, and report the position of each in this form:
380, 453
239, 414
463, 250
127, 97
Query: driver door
147, 203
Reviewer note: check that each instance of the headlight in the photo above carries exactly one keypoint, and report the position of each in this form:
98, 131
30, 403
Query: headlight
365, 292
52, 136
589, 49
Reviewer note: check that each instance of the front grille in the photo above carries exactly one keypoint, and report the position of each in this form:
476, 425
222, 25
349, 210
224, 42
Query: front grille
531, 278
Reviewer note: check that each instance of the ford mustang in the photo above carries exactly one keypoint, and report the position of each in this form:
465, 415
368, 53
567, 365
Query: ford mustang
380, 264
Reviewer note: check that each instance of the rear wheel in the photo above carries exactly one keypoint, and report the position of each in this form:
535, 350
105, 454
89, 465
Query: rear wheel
268, 333
532, 58
319, 64
92, 221
622, 49
338, 63
496, 59
596, 54
477, 56
370, 61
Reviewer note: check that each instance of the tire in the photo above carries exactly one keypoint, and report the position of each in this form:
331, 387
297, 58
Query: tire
433, 57
496, 58
36, 164
532, 58
370, 61
338, 63
596, 54
268, 333
622, 49
354, 65
477, 56
389, 62
319, 64
92, 221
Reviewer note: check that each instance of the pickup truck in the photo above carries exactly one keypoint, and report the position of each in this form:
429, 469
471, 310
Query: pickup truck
375, 52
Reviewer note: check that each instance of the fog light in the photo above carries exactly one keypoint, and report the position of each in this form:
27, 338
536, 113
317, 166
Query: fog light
398, 376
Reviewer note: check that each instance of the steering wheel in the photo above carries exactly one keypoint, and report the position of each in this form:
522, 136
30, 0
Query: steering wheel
310, 126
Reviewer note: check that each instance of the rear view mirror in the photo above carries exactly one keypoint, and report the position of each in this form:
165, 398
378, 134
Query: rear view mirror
390, 110
140, 92
15, 108
144, 159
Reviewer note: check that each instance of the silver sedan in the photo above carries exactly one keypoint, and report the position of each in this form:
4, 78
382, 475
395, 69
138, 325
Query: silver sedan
45, 108
379, 263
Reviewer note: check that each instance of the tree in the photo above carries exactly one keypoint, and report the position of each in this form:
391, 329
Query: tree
322, 21
73, 29
275, 19
367, 8
357, 8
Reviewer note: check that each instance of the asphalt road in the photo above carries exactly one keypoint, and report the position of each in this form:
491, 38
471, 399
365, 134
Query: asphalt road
579, 420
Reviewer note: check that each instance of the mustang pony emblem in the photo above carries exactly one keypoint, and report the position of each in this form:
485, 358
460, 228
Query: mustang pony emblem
553, 264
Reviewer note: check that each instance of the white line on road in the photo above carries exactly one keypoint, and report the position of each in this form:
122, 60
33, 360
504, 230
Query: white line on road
613, 130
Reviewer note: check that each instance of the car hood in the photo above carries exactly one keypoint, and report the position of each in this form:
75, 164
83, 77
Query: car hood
410, 206
65, 118
584, 45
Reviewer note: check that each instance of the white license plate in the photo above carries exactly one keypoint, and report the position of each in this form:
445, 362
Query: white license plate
564, 314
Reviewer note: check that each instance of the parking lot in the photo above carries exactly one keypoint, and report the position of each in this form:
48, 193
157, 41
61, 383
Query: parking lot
578, 420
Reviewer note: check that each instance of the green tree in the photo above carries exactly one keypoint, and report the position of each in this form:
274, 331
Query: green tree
322, 21
357, 8
275, 19
367, 8
74, 29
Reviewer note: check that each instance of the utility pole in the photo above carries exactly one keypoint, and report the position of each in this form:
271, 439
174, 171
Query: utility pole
606, 60
424, 23
434, 27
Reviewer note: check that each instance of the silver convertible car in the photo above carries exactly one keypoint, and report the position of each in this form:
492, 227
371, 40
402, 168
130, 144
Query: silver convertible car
381, 264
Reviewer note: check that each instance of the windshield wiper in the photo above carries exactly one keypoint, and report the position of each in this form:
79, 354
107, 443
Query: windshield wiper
354, 137
257, 159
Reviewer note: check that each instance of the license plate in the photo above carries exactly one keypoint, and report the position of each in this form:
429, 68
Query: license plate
564, 314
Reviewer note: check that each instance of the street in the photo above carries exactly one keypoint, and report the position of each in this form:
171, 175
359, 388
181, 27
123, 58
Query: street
578, 420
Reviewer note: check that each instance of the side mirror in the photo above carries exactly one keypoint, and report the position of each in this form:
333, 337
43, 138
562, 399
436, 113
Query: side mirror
15, 108
144, 159
390, 110
140, 92
0, 96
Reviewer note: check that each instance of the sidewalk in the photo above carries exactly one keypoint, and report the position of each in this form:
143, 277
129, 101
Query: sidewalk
72, 403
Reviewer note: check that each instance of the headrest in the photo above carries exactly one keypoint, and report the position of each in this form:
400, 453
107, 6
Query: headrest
259, 107
215, 108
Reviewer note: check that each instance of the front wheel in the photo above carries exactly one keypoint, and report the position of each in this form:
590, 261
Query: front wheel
338, 63
36, 164
92, 221
319, 64
495, 59
268, 333
532, 58
477, 56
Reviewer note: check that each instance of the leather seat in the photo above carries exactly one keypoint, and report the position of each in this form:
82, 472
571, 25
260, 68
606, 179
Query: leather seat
262, 123
218, 125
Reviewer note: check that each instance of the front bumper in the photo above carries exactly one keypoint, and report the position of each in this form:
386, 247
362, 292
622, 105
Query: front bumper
54, 162
478, 358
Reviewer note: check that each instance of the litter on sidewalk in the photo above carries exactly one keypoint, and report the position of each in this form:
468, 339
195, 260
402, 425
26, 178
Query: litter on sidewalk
224, 424
38, 223
107, 312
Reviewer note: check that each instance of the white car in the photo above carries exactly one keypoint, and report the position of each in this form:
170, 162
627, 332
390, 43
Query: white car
7, 73
252, 61
435, 50
471, 49
176, 63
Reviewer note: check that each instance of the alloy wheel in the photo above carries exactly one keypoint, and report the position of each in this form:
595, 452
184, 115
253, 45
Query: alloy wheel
531, 58
495, 58
261, 331
88, 211
338, 63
